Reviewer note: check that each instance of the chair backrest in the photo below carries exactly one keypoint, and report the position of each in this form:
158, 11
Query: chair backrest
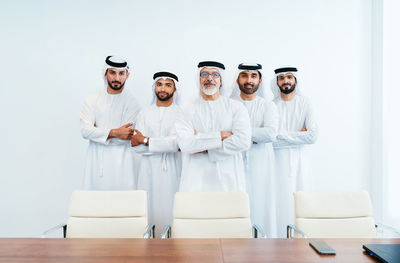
107, 214
334, 214
211, 215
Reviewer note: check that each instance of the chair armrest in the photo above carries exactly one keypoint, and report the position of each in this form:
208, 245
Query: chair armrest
258, 232
291, 229
380, 227
149, 232
63, 226
166, 233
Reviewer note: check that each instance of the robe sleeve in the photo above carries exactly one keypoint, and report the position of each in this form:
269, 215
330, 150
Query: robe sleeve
130, 115
241, 138
163, 144
140, 126
298, 137
87, 121
268, 132
168, 143
190, 143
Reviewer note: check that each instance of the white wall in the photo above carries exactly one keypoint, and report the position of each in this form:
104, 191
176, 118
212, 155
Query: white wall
53, 53
391, 126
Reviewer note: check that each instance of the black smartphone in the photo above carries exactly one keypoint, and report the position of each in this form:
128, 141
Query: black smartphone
322, 248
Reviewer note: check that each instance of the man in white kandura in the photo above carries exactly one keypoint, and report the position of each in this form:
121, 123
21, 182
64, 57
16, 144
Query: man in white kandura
106, 121
297, 127
155, 140
259, 160
212, 135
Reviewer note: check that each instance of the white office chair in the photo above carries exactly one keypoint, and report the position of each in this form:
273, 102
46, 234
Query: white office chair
107, 214
333, 214
211, 215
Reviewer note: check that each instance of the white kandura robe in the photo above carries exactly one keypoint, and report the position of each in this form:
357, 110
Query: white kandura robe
208, 163
259, 163
110, 162
160, 167
290, 160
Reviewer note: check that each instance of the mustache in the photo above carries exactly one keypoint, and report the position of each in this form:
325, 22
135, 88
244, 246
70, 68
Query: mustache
249, 84
116, 82
209, 82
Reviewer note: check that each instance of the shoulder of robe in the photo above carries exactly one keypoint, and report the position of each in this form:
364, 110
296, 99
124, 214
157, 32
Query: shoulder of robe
188, 106
237, 106
269, 103
178, 111
92, 98
236, 97
303, 100
276, 100
131, 101
260, 100
128, 95
176, 108
234, 103
149, 110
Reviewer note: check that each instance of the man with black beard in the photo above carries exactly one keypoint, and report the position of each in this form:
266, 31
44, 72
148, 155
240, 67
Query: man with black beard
155, 140
297, 128
259, 159
107, 120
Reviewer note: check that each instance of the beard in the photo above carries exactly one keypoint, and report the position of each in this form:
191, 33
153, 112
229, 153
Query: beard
248, 88
287, 90
166, 98
209, 91
113, 85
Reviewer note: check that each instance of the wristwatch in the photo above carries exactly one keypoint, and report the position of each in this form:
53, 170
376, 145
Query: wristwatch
146, 141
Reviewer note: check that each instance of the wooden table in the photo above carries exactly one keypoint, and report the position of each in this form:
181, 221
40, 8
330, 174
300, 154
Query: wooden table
180, 250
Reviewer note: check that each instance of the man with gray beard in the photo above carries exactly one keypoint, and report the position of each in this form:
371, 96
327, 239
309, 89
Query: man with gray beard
212, 135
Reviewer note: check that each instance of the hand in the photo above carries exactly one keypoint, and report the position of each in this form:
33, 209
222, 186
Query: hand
195, 132
225, 134
303, 129
137, 139
122, 132
255, 143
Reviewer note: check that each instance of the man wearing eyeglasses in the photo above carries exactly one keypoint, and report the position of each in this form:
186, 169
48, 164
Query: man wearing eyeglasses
213, 133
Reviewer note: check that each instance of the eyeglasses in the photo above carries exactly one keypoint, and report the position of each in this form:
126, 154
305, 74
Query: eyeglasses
205, 75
